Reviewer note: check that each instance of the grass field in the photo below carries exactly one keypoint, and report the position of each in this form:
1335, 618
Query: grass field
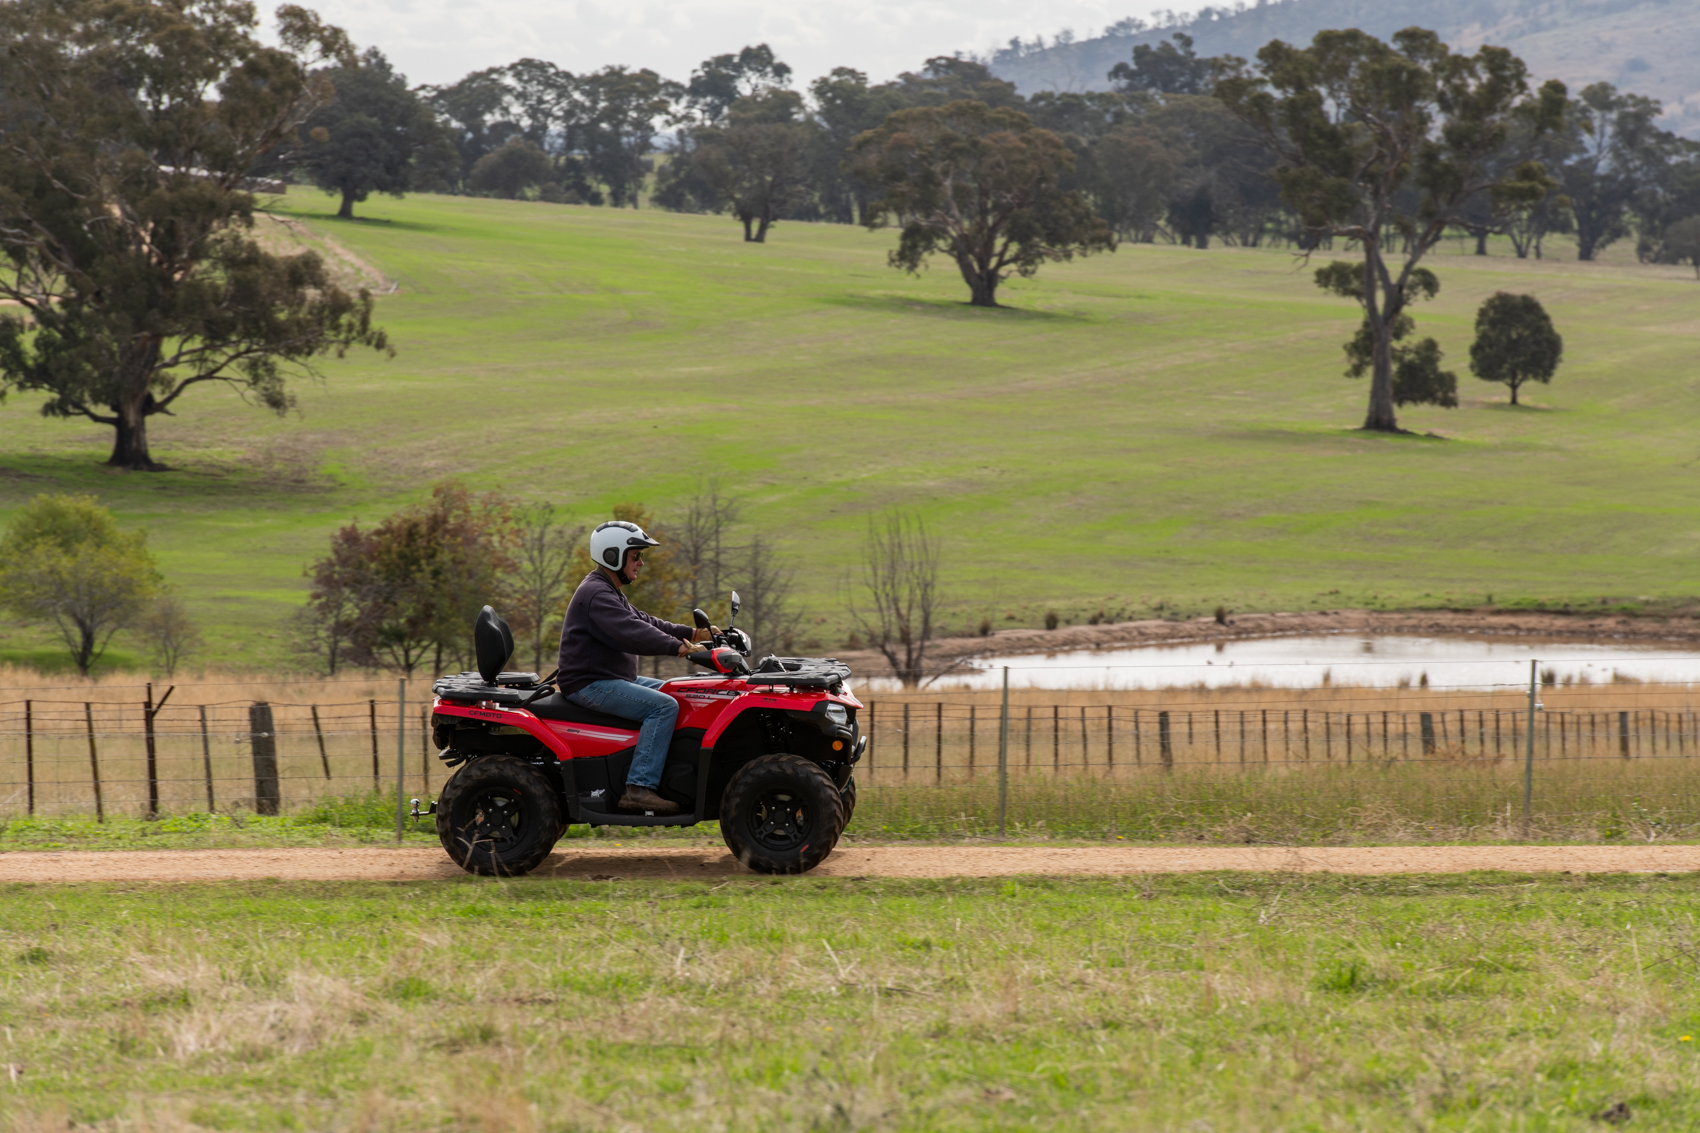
1155, 426
1201, 1002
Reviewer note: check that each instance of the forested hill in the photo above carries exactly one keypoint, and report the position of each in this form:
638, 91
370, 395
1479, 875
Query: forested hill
1646, 46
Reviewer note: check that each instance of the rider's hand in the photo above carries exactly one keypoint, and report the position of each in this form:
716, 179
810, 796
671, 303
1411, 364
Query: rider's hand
685, 649
704, 634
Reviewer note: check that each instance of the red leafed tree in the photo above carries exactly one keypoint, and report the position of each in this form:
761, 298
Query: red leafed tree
410, 587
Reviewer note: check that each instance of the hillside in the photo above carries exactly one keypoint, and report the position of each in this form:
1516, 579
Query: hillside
1155, 430
1648, 46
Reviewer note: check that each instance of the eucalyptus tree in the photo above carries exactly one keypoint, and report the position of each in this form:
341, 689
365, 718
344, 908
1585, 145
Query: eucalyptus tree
1386, 145
128, 131
980, 185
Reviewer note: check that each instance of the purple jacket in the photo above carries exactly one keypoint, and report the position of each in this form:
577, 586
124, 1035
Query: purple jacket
604, 634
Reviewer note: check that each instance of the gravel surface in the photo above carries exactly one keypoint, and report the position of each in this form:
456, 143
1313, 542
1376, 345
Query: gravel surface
601, 863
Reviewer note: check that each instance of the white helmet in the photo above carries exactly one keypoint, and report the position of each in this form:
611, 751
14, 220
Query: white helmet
610, 541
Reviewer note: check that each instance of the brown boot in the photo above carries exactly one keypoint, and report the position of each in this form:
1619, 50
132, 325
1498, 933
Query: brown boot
642, 799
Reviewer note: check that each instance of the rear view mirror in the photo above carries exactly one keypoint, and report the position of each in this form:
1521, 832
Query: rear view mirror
735, 603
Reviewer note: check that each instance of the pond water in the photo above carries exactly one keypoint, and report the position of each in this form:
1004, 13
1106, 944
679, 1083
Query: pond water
1345, 659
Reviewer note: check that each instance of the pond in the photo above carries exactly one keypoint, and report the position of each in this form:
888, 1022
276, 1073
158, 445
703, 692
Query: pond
1382, 661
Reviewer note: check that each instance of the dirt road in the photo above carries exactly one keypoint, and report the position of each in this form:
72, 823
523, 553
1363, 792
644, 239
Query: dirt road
602, 863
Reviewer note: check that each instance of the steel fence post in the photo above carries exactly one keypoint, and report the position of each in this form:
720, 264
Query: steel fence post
1003, 753
400, 755
1529, 754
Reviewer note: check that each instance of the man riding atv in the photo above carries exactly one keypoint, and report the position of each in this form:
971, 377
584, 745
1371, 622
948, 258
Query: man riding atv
602, 637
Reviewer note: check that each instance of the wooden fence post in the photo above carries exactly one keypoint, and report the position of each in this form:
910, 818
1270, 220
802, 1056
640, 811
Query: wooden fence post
1056, 739
870, 752
1426, 721
906, 741
1265, 713
94, 764
1216, 714
319, 731
206, 759
1138, 741
153, 762
153, 768
938, 743
377, 782
1348, 739
1165, 750
1110, 736
267, 793
29, 753
1085, 752
1304, 723
972, 720
1623, 734
1242, 737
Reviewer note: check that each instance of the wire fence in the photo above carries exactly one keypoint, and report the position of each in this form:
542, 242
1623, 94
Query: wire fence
918, 742
1301, 760
1295, 764
62, 757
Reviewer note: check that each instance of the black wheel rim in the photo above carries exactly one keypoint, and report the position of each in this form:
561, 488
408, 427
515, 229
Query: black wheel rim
497, 818
778, 821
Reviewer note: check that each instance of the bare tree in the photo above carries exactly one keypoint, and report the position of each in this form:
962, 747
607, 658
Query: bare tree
543, 574
900, 571
701, 541
764, 585
167, 627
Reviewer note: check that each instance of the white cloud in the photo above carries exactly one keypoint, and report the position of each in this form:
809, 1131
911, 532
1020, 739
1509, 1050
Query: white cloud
438, 41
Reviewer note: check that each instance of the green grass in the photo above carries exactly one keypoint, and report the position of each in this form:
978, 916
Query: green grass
1200, 1002
1158, 425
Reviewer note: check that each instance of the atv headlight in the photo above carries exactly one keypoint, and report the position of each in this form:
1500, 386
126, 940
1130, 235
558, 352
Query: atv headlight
837, 714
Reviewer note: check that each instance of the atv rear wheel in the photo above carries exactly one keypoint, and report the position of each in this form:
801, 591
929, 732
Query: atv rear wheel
498, 817
781, 814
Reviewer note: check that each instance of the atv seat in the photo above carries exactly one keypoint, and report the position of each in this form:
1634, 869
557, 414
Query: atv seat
557, 707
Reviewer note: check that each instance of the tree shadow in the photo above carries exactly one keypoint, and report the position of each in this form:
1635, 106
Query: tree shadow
953, 310
1520, 407
191, 474
332, 221
1299, 435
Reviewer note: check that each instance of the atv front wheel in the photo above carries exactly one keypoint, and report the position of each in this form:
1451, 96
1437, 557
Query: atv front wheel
846, 805
781, 814
498, 817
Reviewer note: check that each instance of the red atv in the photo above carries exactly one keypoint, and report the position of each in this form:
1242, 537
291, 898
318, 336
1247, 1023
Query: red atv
768, 752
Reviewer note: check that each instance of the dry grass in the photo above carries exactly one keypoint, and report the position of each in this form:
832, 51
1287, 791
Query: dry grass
284, 235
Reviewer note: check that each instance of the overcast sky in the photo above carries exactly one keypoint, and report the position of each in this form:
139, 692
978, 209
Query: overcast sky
438, 41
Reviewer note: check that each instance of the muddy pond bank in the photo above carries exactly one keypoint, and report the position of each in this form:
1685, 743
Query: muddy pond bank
954, 654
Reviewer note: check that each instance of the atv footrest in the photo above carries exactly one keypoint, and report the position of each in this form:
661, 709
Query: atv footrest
589, 810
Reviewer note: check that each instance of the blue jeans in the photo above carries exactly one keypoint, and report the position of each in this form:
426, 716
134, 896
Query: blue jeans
637, 700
